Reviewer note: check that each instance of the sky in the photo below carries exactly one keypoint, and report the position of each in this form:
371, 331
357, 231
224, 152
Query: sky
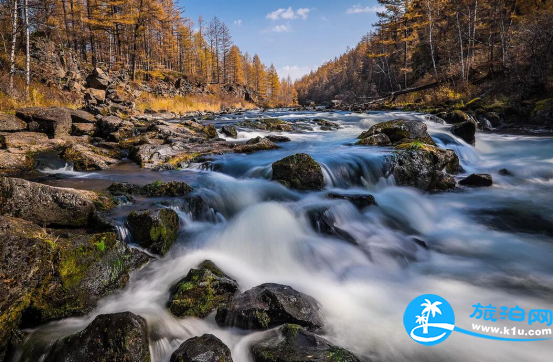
297, 36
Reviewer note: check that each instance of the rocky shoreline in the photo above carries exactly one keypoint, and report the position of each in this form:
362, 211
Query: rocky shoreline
61, 252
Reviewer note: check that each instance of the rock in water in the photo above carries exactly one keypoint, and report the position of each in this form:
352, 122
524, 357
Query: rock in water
46, 205
477, 180
466, 131
421, 166
229, 131
359, 200
202, 291
24, 264
456, 116
89, 158
397, 131
206, 348
299, 171
375, 140
270, 305
156, 230
293, 343
276, 139
155, 189
115, 337
54, 121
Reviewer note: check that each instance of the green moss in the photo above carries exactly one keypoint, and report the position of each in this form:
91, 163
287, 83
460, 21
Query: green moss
543, 105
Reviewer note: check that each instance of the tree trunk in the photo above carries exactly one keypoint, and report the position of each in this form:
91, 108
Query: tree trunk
27, 50
14, 41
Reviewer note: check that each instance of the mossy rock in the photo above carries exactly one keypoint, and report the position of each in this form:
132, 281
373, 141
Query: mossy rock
293, 343
268, 124
456, 116
201, 292
543, 109
155, 230
299, 171
86, 269
397, 131
154, 189
206, 348
211, 131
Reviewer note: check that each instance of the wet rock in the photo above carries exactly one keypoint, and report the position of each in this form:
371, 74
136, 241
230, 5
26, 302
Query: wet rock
229, 131
399, 131
323, 221
202, 291
293, 343
54, 121
98, 79
154, 229
270, 305
277, 139
80, 116
505, 172
466, 131
477, 180
422, 166
154, 189
86, 269
375, 140
299, 171
456, 116
359, 200
206, 348
11, 124
494, 118
255, 144
326, 125
83, 129
110, 337
46, 205
24, 264
268, 124
89, 158
211, 131
519, 220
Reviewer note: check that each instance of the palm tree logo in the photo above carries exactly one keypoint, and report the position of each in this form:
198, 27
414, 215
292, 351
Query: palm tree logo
429, 308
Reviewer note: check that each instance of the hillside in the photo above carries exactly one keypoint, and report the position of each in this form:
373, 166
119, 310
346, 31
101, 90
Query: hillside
424, 54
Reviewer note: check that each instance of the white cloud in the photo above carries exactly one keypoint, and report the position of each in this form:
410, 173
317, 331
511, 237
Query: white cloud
294, 71
284, 28
238, 22
288, 14
358, 9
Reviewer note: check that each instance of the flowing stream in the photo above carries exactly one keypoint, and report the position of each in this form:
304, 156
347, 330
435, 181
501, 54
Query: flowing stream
258, 231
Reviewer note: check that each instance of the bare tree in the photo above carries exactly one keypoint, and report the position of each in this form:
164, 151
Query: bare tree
14, 41
27, 49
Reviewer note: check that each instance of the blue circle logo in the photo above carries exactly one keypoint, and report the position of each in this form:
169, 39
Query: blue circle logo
429, 319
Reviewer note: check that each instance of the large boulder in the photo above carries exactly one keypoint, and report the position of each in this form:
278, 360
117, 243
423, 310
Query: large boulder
15, 163
11, 124
466, 131
83, 129
154, 229
110, 124
455, 116
375, 140
80, 116
229, 131
89, 158
119, 337
202, 291
86, 268
422, 166
299, 171
477, 180
397, 132
268, 124
47, 205
154, 189
255, 144
24, 264
277, 138
54, 121
206, 348
270, 305
293, 343
98, 79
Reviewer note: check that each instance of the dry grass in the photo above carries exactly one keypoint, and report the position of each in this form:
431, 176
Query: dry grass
40, 95
180, 104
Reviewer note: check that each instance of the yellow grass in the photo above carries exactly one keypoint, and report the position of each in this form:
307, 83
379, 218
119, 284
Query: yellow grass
181, 104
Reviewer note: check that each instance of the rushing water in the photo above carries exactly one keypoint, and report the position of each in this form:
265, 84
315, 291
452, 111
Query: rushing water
258, 231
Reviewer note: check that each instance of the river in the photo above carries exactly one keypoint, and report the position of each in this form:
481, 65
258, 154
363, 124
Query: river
257, 231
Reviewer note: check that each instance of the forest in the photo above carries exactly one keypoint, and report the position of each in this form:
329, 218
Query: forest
463, 48
147, 39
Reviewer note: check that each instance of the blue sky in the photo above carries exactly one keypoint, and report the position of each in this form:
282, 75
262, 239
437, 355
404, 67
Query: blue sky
295, 35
